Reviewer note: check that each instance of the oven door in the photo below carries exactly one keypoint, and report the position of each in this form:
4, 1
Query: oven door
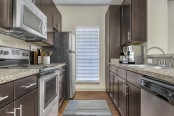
48, 93
28, 18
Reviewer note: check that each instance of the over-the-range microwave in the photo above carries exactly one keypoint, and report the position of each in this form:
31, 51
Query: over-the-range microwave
22, 19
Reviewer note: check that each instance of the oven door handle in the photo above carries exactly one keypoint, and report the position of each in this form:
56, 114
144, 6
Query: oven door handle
29, 86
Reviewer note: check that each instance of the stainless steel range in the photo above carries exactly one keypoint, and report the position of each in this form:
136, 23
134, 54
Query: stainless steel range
47, 81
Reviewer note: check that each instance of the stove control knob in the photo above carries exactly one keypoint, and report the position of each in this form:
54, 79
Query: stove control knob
6, 53
23, 54
1, 52
26, 54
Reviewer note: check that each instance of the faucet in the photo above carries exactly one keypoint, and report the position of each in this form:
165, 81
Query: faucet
164, 58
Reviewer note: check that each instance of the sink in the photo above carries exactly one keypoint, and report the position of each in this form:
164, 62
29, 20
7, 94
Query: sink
145, 66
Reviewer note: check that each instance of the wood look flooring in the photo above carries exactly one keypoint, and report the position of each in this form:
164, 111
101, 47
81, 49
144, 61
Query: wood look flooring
92, 95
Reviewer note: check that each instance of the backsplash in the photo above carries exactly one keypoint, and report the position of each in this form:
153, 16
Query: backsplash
13, 42
155, 59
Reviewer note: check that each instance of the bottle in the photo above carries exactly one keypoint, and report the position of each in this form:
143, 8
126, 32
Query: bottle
39, 58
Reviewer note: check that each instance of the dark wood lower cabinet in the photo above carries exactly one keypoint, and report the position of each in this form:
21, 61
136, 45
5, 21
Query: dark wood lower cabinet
134, 100
111, 84
61, 88
122, 97
125, 91
116, 89
27, 105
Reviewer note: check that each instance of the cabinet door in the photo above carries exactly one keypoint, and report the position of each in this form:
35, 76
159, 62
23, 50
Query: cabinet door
122, 97
47, 10
134, 100
126, 22
107, 51
6, 17
114, 31
59, 22
27, 105
6, 111
116, 90
111, 85
61, 88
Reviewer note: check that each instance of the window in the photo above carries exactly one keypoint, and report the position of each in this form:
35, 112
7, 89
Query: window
87, 57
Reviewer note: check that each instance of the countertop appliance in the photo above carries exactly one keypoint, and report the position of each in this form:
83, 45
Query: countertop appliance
134, 53
64, 52
157, 98
25, 20
47, 81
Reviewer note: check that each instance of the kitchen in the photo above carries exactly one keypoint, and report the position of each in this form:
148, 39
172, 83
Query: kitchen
41, 74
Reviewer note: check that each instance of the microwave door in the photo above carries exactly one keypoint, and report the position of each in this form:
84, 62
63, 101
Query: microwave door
30, 19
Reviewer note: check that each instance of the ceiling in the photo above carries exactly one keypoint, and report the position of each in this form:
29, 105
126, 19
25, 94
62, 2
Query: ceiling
87, 2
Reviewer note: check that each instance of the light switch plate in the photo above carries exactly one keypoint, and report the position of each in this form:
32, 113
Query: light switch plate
34, 48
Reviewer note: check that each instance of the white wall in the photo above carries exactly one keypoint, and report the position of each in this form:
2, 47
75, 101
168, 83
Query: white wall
157, 25
73, 16
13, 42
170, 26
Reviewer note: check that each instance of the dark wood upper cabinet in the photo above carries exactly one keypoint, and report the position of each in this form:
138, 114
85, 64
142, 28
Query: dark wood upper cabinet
134, 22
53, 20
38, 3
6, 9
47, 10
113, 30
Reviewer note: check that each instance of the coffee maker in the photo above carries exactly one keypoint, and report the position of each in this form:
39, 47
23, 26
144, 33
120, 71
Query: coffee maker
134, 54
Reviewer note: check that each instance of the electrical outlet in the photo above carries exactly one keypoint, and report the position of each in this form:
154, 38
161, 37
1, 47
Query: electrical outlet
34, 48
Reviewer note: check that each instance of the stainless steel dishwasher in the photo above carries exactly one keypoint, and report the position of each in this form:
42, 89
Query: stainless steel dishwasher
157, 98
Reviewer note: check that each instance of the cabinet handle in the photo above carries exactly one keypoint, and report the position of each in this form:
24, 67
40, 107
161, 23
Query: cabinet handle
20, 109
123, 89
129, 36
14, 112
45, 30
126, 93
40, 27
3, 98
29, 86
15, 109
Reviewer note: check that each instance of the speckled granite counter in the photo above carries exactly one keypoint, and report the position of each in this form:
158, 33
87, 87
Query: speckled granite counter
7, 75
166, 75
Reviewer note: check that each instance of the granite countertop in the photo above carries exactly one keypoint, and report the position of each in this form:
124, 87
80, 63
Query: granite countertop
7, 74
166, 75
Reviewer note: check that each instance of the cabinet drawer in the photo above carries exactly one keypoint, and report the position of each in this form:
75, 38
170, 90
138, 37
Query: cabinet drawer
6, 94
25, 85
5, 111
122, 73
134, 78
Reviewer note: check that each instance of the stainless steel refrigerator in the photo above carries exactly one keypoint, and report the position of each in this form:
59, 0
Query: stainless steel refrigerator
64, 51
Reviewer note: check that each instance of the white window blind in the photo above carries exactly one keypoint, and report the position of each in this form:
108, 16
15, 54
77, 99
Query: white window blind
87, 57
